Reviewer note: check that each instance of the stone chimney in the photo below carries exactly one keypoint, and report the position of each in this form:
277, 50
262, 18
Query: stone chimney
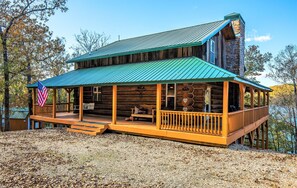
235, 47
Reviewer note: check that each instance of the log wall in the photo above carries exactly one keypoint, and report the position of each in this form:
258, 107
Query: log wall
130, 96
197, 51
216, 97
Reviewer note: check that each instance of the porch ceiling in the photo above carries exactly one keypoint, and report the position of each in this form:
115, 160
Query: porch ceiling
180, 70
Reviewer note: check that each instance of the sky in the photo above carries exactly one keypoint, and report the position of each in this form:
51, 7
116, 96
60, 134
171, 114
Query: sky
271, 24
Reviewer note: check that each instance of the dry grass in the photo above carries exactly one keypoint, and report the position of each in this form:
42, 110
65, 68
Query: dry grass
55, 158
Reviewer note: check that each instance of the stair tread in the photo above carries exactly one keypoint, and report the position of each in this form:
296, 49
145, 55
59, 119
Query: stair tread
82, 131
87, 124
90, 129
96, 129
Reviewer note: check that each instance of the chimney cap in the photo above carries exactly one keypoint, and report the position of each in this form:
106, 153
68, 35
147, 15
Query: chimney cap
234, 16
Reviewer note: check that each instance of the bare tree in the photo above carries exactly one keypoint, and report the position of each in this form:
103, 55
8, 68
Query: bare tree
11, 12
284, 70
88, 41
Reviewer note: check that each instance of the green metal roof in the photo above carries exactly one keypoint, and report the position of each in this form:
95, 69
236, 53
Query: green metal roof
185, 37
180, 70
254, 84
17, 113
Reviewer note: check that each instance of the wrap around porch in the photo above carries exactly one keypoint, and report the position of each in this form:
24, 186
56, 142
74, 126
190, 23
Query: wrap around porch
207, 128
194, 101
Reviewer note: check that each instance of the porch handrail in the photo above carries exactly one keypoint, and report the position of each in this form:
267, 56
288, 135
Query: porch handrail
210, 123
57, 104
48, 108
197, 122
242, 118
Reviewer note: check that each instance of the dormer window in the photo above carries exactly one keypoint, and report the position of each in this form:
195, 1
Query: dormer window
212, 53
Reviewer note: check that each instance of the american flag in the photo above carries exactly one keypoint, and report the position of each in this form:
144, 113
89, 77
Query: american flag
42, 94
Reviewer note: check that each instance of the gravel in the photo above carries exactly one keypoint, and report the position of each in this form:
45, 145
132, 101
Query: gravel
55, 158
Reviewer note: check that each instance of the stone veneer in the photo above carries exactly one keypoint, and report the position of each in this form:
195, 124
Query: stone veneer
235, 48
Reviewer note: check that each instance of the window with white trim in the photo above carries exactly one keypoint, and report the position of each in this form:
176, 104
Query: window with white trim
212, 52
171, 96
97, 93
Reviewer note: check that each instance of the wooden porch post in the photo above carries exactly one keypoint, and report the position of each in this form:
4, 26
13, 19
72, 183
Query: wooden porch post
158, 106
264, 98
81, 103
263, 136
259, 98
251, 136
242, 91
68, 98
258, 137
252, 97
267, 140
241, 139
54, 102
268, 99
241, 102
34, 101
252, 102
114, 103
225, 109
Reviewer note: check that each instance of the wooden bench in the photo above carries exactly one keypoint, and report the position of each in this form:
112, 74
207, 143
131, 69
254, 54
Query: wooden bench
86, 106
149, 116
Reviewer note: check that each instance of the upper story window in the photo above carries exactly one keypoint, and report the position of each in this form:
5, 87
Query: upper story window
212, 53
97, 93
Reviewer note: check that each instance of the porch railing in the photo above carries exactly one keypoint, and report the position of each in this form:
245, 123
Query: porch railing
48, 108
210, 123
242, 118
196, 122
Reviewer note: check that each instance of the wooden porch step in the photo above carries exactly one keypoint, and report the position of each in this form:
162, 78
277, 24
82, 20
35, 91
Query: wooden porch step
88, 124
82, 131
87, 128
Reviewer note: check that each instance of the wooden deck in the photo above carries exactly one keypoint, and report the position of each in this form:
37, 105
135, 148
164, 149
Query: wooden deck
206, 128
72, 118
147, 128
142, 127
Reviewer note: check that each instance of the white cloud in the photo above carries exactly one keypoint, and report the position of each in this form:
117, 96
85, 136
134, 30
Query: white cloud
248, 39
253, 36
262, 38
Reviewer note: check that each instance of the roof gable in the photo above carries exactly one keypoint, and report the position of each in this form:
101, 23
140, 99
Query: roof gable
184, 37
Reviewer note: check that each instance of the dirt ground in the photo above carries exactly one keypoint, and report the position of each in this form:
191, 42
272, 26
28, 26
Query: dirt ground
55, 158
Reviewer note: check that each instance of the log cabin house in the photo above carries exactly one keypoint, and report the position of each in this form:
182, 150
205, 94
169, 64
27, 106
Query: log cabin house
190, 81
